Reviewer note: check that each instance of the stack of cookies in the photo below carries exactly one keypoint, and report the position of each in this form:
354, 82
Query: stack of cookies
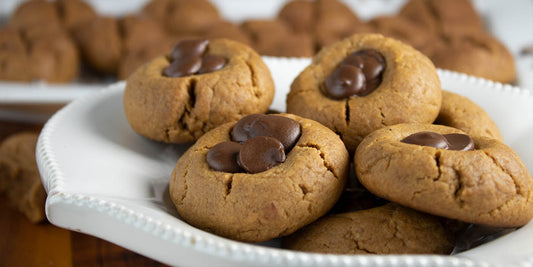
426, 164
52, 39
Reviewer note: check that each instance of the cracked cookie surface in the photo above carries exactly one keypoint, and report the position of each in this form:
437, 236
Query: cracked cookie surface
462, 113
489, 185
409, 91
389, 229
180, 110
261, 206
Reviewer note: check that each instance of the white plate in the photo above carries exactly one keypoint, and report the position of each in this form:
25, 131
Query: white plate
105, 180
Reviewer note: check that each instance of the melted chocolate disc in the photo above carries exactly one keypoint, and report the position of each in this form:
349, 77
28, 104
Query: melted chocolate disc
427, 139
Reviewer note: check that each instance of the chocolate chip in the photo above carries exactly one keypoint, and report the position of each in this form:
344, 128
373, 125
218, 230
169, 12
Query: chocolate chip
345, 81
460, 142
212, 63
189, 48
188, 58
286, 130
223, 157
370, 61
427, 139
183, 67
260, 154
241, 130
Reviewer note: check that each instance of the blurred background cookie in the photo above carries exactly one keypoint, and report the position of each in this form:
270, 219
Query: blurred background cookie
19, 176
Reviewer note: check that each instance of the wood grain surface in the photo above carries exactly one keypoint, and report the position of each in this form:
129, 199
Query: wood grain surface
26, 244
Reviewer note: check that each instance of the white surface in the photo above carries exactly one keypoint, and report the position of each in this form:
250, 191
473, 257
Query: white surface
105, 180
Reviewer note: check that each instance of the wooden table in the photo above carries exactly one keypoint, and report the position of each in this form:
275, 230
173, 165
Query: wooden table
43, 244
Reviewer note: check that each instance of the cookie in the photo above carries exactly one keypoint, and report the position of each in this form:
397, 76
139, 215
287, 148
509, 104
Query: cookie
402, 29
35, 13
142, 40
183, 17
298, 171
140, 55
54, 57
19, 176
460, 112
100, 43
14, 61
177, 99
478, 54
451, 18
299, 15
74, 12
326, 21
228, 30
274, 38
442, 171
334, 22
44, 53
400, 85
389, 229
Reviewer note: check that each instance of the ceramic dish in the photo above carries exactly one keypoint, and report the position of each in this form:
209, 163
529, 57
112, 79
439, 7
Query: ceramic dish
105, 180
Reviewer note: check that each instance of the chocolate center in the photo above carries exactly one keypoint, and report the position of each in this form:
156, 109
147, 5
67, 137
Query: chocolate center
189, 57
223, 157
286, 130
460, 142
453, 141
359, 74
261, 153
265, 139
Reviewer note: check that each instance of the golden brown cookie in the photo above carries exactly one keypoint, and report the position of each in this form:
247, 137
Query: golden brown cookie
35, 13
183, 17
461, 113
19, 176
409, 90
275, 38
335, 21
228, 30
488, 185
38, 53
181, 109
143, 40
299, 14
73, 12
100, 43
478, 54
448, 17
402, 29
326, 21
54, 57
140, 55
14, 61
263, 205
389, 229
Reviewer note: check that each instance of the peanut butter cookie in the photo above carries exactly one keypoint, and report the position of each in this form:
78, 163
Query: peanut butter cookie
442, 171
389, 229
364, 83
200, 85
260, 178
